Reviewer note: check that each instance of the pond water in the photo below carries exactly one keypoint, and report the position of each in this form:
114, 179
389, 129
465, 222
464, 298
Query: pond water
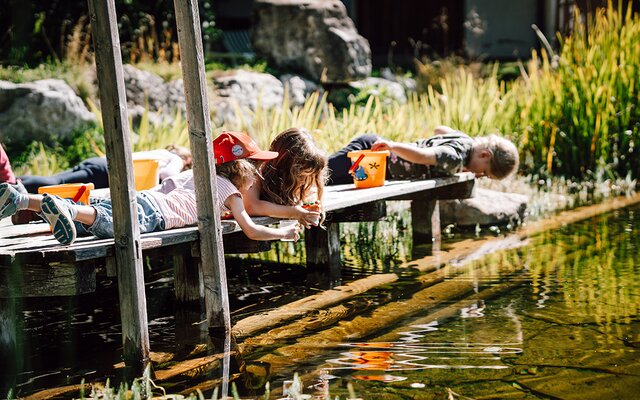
551, 316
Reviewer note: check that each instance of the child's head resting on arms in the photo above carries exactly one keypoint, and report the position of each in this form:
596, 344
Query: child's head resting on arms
503, 155
299, 168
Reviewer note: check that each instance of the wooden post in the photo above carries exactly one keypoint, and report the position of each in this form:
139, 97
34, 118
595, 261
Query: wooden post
9, 348
425, 221
323, 247
198, 120
186, 276
133, 304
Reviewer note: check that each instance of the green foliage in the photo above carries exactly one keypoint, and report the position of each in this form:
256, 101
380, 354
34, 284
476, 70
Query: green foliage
579, 110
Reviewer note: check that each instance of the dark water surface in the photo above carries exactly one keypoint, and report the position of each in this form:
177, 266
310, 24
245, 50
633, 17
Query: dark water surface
555, 316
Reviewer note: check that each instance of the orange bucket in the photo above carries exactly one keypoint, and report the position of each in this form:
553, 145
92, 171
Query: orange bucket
145, 173
371, 169
72, 191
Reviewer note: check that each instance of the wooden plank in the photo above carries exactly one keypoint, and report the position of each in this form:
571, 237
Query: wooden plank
55, 280
199, 123
373, 211
88, 247
239, 243
128, 252
343, 196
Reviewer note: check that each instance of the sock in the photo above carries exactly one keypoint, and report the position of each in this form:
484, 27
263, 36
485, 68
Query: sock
73, 211
22, 201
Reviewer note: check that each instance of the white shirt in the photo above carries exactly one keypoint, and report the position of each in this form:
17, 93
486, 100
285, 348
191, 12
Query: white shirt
169, 164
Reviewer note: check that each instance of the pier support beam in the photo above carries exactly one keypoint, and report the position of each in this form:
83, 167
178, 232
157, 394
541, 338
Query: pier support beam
425, 221
214, 274
128, 251
323, 248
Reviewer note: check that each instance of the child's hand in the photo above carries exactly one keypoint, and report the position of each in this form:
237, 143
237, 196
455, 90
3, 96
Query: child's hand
309, 215
381, 145
291, 232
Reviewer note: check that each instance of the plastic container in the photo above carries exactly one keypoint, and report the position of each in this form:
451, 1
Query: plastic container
145, 173
69, 191
371, 170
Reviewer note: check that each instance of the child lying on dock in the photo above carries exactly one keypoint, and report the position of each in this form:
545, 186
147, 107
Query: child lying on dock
293, 182
170, 205
447, 152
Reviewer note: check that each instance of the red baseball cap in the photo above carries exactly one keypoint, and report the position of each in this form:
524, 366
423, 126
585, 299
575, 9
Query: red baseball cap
229, 146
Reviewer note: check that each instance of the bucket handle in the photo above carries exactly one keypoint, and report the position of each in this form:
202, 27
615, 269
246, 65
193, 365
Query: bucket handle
79, 194
355, 164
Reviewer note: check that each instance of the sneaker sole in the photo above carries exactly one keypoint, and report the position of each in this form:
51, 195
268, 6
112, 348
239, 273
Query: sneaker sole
61, 225
9, 209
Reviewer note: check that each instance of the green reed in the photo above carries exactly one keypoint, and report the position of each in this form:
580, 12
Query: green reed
578, 112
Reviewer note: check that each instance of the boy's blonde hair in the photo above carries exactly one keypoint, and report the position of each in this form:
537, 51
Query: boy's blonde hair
298, 156
183, 152
504, 155
239, 172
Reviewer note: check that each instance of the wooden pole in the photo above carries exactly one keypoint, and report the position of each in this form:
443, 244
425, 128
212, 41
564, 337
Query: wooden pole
128, 252
198, 120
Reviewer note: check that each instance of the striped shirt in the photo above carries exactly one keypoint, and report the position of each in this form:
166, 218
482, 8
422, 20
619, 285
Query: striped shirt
176, 199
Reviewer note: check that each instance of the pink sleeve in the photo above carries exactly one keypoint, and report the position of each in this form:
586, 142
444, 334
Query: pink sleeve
6, 174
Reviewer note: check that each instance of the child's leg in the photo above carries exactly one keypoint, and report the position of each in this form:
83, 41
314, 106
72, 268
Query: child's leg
339, 163
92, 170
149, 217
11, 200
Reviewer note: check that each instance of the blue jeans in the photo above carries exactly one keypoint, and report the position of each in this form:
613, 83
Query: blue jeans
149, 217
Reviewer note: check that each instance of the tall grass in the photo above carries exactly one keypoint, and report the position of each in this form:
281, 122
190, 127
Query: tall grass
578, 112
573, 115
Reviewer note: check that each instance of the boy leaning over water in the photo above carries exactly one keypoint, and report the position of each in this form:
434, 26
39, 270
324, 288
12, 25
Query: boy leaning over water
170, 205
446, 153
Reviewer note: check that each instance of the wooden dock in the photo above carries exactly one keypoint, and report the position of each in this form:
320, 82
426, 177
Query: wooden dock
33, 264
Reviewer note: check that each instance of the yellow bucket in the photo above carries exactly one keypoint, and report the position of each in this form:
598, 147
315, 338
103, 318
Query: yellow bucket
72, 191
145, 173
371, 169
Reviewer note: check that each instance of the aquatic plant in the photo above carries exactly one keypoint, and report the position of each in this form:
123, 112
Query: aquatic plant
579, 109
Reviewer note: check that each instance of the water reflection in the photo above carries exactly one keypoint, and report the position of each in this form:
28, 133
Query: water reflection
554, 315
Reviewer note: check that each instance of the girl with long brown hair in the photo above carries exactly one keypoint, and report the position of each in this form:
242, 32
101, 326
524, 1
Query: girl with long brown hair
295, 177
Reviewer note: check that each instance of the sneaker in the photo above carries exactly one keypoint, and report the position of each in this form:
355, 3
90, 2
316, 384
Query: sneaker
8, 200
56, 212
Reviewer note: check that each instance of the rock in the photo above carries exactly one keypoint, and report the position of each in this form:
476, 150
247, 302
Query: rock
388, 91
298, 88
144, 87
310, 36
46, 110
486, 207
244, 90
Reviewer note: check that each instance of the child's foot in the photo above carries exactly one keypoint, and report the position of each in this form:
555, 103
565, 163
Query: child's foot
56, 212
8, 200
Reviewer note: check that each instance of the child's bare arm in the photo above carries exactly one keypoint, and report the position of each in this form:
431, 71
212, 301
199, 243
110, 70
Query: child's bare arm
257, 207
254, 231
409, 152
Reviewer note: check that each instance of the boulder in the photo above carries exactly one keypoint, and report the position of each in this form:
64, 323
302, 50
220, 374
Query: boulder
145, 88
244, 91
298, 88
315, 38
46, 110
487, 207
388, 91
